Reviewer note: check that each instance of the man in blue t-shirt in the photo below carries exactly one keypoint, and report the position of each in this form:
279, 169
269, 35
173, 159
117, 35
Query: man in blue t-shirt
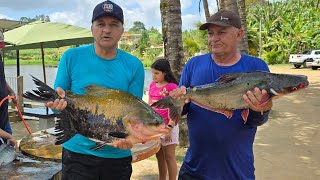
221, 148
100, 63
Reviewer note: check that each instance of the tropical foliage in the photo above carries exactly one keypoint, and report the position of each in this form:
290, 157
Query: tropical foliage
286, 27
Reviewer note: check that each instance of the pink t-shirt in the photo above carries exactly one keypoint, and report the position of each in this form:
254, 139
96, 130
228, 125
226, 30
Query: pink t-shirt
157, 93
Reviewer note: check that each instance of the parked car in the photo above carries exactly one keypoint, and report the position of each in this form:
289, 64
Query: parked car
301, 59
315, 64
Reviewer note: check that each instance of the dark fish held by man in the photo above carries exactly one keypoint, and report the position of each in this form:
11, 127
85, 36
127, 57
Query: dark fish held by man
103, 115
226, 94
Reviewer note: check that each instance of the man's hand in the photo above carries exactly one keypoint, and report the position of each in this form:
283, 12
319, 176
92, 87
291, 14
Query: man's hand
58, 104
258, 100
14, 143
179, 93
123, 144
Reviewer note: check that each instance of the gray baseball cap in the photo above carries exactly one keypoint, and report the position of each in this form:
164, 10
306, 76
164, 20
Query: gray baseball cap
223, 18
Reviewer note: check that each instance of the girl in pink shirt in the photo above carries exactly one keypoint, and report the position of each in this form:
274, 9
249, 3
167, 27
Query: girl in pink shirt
164, 82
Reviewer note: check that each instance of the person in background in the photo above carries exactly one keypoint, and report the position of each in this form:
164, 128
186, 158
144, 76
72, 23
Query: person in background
5, 90
164, 82
221, 148
103, 64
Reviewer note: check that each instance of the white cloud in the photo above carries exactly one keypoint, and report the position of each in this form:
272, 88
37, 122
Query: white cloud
24, 5
185, 4
2, 16
189, 21
79, 12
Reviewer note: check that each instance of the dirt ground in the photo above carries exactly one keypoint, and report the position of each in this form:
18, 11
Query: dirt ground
286, 147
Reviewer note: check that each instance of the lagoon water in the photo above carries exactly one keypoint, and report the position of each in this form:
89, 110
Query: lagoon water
36, 71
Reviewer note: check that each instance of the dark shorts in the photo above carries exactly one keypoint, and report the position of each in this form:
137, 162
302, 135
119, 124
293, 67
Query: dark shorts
77, 166
185, 175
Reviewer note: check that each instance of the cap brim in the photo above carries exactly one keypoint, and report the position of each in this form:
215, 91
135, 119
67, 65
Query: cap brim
206, 25
2, 45
107, 14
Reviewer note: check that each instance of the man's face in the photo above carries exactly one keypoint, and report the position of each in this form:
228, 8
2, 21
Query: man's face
223, 40
107, 31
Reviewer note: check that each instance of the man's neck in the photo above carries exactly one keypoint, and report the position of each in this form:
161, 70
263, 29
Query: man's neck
226, 59
109, 53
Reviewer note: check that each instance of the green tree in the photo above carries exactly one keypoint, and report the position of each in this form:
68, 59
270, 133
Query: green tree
138, 27
286, 27
143, 42
41, 17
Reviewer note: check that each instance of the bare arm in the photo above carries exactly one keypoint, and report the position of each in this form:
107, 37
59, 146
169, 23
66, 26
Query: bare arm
10, 139
10, 91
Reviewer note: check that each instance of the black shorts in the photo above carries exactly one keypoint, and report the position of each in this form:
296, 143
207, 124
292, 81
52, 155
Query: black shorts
77, 166
185, 175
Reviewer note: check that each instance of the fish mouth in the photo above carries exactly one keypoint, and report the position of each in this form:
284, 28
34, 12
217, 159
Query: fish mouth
145, 132
289, 89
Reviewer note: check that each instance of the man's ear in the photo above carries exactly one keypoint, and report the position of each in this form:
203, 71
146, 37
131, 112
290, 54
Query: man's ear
240, 33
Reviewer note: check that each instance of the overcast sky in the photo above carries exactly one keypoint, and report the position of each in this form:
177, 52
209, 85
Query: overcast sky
79, 12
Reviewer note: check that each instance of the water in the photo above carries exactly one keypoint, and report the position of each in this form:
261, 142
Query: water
36, 71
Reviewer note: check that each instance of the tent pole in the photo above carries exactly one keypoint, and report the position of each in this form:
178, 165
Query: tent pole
43, 65
18, 63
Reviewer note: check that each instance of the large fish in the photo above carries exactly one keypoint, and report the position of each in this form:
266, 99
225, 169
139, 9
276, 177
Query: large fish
226, 94
102, 114
7, 154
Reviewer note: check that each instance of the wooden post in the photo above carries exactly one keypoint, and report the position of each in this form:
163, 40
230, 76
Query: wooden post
43, 64
20, 92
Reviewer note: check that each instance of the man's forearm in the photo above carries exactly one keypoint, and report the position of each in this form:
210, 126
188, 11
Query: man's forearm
5, 135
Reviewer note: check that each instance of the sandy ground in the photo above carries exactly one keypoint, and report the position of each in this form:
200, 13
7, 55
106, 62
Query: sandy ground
286, 147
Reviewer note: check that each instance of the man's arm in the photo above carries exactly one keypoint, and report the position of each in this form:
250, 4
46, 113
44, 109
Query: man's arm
10, 91
10, 139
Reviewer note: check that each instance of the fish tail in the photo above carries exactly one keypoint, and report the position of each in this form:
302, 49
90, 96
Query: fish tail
172, 105
44, 93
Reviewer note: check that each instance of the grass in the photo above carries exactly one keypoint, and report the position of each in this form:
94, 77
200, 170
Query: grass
31, 62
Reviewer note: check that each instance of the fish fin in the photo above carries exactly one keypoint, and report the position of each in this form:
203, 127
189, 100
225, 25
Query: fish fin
265, 99
227, 113
228, 77
43, 94
118, 134
99, 145
245, 115
171, 104
64, 129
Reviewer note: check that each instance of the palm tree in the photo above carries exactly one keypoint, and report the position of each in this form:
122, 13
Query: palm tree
206, 9
244, 47
172, 34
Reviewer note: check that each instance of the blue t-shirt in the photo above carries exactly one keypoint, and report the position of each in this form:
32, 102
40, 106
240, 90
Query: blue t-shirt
80, 67
220, 148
